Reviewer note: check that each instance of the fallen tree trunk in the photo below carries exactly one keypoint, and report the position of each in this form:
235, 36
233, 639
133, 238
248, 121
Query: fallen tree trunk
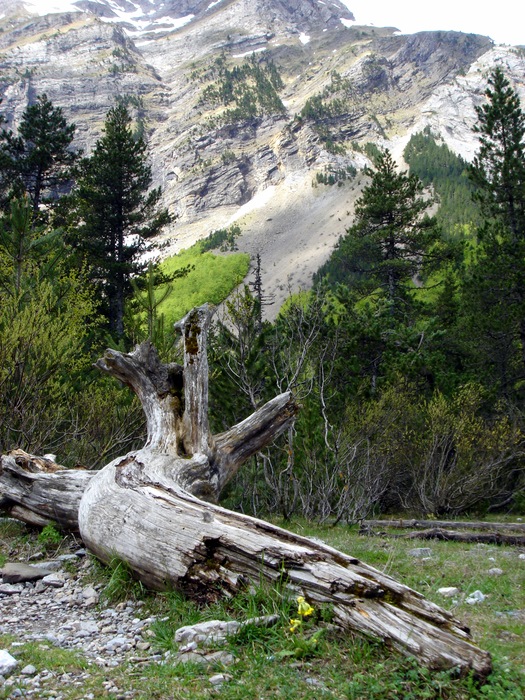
412, 524
38, 491
467, 537
156, 509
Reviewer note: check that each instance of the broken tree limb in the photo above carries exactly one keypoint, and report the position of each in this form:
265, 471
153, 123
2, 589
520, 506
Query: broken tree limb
194, 330
467, 537
412, 524
155, 509
38, 491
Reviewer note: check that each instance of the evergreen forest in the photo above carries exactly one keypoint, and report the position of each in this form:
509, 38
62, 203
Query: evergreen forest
407, 355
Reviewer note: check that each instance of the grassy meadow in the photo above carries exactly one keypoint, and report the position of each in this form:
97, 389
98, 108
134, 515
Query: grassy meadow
315, 660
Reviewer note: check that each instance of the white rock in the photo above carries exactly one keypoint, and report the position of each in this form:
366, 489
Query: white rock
89, 592
206, 632
121, 643
495, 571
54, 581
7, 663
521, 556
420, 552
219, 678
475, 597
28, 670
11, 588
448, 591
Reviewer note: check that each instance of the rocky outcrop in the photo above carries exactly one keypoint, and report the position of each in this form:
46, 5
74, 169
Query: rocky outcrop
212, 168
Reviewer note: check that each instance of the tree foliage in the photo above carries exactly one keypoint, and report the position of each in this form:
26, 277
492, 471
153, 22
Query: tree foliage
498, 169
115, 212
494, 284
446, 172
391, 238
38, 160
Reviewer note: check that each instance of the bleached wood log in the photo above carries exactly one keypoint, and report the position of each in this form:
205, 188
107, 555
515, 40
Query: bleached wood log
37, 490
170, 538
413, 524
437, 533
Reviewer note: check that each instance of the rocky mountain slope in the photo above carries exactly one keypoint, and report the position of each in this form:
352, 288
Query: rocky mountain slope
249, 104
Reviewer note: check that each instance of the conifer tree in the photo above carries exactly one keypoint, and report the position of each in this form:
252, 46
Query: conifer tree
498, 169
115, 212
390, 238
494, 288
38, 160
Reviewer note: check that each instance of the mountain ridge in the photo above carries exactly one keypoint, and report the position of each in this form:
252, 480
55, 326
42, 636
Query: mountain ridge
342, 87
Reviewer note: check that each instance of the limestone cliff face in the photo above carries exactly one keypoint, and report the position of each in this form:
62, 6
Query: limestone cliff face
251, 156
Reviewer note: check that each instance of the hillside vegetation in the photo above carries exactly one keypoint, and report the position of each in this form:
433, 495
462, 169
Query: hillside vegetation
406, 356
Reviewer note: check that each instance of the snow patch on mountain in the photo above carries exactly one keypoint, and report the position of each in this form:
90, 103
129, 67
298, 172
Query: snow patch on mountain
135, 20
47, 7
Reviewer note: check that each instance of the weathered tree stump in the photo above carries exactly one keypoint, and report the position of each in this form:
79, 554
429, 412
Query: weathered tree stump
156, 509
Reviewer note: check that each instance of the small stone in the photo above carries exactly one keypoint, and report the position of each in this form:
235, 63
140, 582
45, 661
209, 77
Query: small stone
448, 591
420, 552
54, 581
475, 598
521, 556
495, 571
7, 663
51, 565
19, 573
143, 646
219, 678
36, 555
28, 670
89, 592
11, 588
89, 626
121, 643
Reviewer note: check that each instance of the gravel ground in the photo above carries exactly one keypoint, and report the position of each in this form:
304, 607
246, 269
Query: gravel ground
63, 611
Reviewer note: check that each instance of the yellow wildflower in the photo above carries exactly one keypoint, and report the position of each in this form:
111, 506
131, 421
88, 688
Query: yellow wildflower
303, 608
294, 624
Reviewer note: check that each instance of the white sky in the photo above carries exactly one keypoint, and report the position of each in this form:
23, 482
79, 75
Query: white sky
503, 21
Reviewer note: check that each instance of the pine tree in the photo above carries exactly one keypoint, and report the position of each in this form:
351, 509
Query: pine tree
391, 237
115, 212
494, 288
498, 169
27, 252
38, 160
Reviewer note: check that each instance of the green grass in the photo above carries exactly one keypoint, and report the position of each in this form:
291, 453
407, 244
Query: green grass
213, 278
275, 663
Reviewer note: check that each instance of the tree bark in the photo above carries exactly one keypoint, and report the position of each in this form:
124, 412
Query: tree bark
38, 491
412, 524
469, 537
156, 509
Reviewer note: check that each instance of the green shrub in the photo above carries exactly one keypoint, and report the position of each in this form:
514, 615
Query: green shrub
50, 537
